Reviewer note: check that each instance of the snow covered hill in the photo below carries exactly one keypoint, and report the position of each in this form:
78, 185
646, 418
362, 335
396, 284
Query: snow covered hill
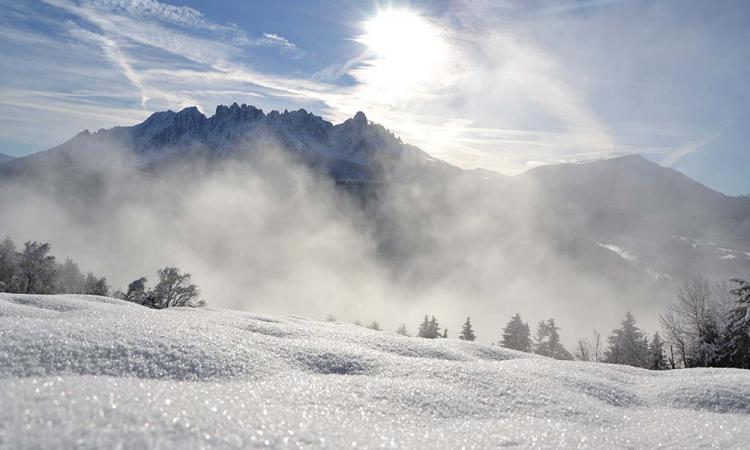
95, 372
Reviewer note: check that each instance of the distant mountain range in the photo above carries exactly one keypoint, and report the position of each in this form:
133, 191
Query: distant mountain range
627, 219
355, 149
5, 158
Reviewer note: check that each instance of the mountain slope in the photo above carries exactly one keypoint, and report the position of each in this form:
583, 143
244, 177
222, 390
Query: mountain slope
5, 158
672, 223
95, 372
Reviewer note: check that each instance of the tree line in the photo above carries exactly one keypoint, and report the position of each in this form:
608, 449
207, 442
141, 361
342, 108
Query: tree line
707, 326
32, 270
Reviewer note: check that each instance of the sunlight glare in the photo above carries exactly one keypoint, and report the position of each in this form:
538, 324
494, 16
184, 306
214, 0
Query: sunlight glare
408, 53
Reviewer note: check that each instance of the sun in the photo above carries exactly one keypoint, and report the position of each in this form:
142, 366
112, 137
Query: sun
406, 51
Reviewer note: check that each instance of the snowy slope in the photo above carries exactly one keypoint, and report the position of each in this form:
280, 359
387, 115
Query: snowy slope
93, 372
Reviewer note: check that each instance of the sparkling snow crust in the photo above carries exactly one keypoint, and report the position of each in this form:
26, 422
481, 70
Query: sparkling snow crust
95, 372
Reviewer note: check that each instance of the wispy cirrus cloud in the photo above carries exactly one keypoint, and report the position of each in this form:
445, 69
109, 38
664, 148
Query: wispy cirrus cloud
674, 156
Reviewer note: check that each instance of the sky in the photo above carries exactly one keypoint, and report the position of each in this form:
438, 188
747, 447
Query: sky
499, 84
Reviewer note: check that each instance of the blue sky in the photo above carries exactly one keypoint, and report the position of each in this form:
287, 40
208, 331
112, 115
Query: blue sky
501, 84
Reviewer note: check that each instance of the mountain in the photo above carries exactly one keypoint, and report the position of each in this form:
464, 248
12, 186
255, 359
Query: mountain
5, 158
651, 215
355, 149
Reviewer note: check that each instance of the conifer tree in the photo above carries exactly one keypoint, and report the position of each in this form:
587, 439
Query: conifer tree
548, 341
467, 333
402, 330
656, 354
433, 329
737, 347
628, 345
424, 328
516, 335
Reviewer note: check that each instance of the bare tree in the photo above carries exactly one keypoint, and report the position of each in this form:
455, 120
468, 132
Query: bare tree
175, 290
591, 350
694, 323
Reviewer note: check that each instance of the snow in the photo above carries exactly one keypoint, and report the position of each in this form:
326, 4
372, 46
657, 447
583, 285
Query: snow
619, 251
95, 372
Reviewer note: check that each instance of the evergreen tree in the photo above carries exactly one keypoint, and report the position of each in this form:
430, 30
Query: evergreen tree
467, 333
374, 325
547, 341
736, 351
656, 354
330, 318
424, 328
95, 286
628, 345
71, 279
516, 335
402, 330
445, 334
433, 329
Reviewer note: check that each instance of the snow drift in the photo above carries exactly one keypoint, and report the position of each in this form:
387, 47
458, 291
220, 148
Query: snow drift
95, 372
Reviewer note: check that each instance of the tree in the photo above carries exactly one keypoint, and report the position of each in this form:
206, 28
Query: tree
547, 341
627, 344
402, 330
95, 286
445, 334
590, 350
8, 266
695, 324
374, 326
434, 328
516, 335
137, 292
467, 333
37, 270
656, 354
330, 318
429, 328
71, 279
175, 290
736, 352
424, 328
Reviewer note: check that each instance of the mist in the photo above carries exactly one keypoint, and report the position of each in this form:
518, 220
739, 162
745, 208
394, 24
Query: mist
262, 231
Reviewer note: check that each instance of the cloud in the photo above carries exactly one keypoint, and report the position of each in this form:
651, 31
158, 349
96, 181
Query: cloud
689, 147
275, 39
